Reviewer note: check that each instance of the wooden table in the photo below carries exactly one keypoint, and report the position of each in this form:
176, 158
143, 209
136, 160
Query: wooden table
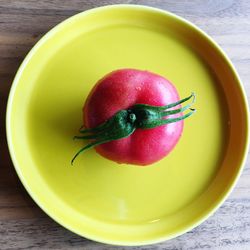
22, 224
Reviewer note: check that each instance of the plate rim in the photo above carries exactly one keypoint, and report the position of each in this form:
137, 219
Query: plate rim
156, 11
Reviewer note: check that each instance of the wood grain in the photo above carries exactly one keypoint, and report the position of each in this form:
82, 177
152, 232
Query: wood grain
22, 224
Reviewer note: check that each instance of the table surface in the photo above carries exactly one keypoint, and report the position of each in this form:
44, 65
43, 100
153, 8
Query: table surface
23, 225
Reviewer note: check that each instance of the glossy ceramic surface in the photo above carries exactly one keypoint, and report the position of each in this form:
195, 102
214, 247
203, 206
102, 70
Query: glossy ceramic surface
97, 198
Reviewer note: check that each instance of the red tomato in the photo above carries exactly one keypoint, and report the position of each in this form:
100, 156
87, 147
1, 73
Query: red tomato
120, 90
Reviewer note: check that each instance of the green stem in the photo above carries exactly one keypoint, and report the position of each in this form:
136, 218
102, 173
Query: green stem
176, 111
100, 127
125, 122
90, 145
159, 122
160, 108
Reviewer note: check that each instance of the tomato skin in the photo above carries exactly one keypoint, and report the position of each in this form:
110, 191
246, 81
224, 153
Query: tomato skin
121, 89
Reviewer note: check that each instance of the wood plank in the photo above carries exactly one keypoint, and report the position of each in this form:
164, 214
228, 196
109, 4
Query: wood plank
229, 228
25, 226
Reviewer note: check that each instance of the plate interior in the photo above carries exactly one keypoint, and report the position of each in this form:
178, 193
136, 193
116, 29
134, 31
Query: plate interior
150, 202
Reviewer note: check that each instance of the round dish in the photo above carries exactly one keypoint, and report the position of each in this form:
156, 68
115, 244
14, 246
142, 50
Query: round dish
97, 198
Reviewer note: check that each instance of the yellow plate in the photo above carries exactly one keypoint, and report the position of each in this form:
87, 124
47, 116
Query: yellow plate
97, 198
